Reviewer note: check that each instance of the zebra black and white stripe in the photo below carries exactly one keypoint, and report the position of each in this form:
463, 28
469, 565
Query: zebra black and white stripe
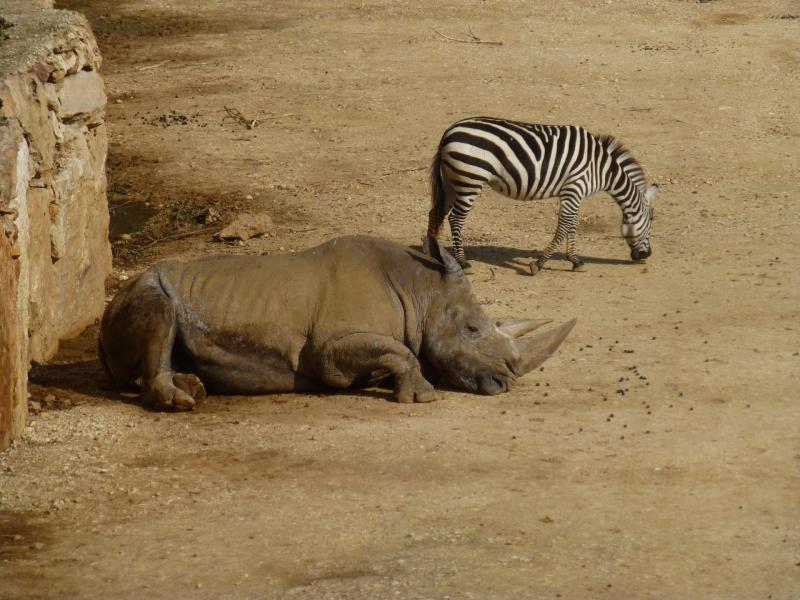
526, 162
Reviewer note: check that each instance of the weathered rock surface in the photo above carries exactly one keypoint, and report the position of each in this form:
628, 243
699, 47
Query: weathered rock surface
13, 367
55, 255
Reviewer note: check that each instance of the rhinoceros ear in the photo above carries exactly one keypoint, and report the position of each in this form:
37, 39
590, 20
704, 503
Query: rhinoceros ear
437, 251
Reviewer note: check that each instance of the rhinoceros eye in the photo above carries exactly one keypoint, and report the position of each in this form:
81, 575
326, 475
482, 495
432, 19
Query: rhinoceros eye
471, 330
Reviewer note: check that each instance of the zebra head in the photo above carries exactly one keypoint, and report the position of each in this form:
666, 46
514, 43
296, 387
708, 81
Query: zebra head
636, 230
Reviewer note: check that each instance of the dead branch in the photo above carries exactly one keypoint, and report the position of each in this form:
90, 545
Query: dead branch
178, 236
475, 39
236, 115
273, 117
387, 173
161, 64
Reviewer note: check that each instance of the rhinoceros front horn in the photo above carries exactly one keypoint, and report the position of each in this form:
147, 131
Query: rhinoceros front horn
534, 351
517, 327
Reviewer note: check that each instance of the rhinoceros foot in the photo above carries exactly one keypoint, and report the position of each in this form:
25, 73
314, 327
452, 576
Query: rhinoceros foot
415, 388
191, 384
174, 392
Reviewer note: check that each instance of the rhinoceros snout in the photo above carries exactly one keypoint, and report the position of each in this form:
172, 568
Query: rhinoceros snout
491, 384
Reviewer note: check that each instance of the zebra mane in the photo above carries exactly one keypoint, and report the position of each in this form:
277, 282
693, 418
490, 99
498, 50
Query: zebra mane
622, 156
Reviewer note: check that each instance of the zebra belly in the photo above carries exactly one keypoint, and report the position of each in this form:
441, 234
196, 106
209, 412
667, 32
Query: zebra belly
498, 186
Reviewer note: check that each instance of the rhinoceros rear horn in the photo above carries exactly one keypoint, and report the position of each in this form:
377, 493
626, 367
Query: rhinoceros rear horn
437, 251
535, 350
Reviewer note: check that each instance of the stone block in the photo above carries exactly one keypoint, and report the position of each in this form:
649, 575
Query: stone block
54, 249
13, 366
82, 98
14, 242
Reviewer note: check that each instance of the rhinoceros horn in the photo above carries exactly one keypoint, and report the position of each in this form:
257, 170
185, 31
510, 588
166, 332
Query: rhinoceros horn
433, 247
534, 351
517, 327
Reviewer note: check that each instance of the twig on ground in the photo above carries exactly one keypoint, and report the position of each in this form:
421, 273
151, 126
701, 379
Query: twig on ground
236, 115
270, 118
188, 65
387, 173
471, 34
475, 39
178, 236
161, 64
113, 209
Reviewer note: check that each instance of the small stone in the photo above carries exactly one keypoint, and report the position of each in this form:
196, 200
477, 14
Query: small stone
118, 100
126, 237
246, 226
248, 197
49, 400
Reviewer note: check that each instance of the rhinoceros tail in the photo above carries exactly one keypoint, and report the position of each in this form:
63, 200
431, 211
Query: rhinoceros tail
438, 200
114, 378
101, 353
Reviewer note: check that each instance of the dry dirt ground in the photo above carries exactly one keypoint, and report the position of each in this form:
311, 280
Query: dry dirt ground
655, 456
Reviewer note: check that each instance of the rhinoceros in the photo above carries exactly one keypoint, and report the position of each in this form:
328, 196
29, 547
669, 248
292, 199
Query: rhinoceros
353, 311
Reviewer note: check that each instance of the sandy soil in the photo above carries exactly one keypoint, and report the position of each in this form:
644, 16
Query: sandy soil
655, 456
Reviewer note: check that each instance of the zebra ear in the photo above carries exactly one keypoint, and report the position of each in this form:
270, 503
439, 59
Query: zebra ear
437, 251
628, 230
651, 192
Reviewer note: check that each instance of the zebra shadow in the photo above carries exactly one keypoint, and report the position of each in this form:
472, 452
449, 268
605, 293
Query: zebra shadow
519, 259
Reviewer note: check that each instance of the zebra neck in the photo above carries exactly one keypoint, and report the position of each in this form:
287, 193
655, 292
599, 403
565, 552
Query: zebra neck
628, 196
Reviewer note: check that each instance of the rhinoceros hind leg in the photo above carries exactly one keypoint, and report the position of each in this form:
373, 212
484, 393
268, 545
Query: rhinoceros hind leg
191, 384
137, 338
162, 393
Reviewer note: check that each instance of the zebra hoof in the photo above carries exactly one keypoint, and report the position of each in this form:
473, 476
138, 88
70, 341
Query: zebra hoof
534, 268
465, 264
578, 267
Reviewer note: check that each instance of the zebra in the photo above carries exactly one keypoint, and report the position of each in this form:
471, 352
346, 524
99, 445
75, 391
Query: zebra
526, 162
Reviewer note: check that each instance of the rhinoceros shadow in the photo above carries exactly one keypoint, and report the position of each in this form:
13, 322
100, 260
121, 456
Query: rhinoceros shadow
84, 377
519, 259
88, 380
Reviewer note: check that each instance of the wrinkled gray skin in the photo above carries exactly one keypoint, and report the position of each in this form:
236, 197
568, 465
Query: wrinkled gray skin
352, 311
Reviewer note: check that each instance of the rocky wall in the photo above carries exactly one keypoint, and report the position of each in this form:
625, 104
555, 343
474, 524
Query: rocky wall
55, 254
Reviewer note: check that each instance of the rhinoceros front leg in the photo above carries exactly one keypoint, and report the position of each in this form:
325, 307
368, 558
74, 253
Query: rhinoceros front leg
368, 356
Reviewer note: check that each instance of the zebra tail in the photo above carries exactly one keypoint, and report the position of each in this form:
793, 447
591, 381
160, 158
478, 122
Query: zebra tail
438, 211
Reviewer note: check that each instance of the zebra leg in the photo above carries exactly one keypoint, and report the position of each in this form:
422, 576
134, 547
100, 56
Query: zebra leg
571, 197
567, 226
572, 253
457, 217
